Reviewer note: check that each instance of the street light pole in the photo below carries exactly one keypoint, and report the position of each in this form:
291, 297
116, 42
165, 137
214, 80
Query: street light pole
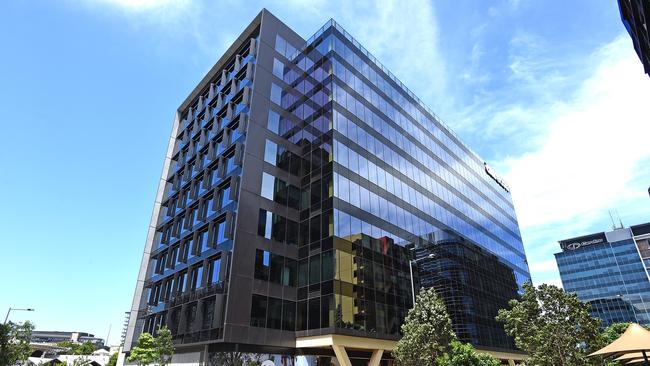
10, 309
412, 285
411, 263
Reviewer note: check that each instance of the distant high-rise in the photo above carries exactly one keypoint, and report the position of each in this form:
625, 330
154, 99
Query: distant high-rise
633, 15
298, 175
610, 272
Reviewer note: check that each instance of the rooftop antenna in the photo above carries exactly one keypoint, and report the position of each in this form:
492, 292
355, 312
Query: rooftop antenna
612, 218
108, 335
619, 219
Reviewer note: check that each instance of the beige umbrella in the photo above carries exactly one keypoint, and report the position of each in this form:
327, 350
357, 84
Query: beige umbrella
634, 342
629, 356
633, 361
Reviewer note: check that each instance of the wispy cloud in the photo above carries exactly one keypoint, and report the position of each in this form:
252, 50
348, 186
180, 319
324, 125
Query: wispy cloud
408, 48
142, 5
404, 36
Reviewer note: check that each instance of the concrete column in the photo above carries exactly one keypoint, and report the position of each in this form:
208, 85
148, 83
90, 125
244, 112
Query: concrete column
376, 357
511, 362
341, 355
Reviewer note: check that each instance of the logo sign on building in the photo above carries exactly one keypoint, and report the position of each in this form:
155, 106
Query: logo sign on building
583, 241
497, 178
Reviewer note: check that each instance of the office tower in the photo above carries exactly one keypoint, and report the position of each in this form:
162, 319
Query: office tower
633, 15
298, 175
609, 270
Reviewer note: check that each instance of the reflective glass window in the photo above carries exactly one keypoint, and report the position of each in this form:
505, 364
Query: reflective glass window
290, 272
220, 232
314, 269
203, 240
288, 315
224, 196
276, 94
327, 266
258, 311
215, 267
197, 277
268, 182
274, 313
314, 314
271, 152
276, 268
278, 68
273, 123
262, 264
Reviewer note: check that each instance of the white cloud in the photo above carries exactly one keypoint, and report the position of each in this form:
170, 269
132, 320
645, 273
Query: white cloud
594, 144
589, 155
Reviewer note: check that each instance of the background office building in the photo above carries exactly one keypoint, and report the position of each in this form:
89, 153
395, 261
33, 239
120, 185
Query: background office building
298, 176
43, 336
610, 272
633, 15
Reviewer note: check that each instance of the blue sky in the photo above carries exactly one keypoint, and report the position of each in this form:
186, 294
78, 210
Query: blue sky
550, 93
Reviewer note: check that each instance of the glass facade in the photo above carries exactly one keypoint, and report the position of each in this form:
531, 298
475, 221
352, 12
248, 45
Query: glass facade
379, 173
609, 274
473, 283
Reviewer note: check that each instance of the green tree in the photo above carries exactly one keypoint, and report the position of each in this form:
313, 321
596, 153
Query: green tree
14, 343
144, 353
427, 332
552, 326
462, 354
112, 361
86, 348
164, 346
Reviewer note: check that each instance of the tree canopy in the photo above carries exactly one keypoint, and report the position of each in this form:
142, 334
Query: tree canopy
14, 343
552, 326
427, 332
464, 354
113, 360
144, 353
164, 346
85, 348
150, 349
